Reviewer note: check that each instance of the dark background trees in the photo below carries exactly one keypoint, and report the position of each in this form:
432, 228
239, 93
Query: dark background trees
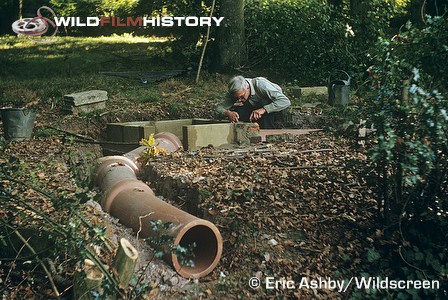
399, 76
300, 39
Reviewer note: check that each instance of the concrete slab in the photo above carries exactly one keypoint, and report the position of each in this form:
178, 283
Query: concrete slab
84, 102
195, 137
135, 132
316, 90
284, 132
173, 126
198, 136
129, 131
76, 110
86, 97
114, 132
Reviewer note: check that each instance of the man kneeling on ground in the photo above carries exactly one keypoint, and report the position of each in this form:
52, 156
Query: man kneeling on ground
254, 100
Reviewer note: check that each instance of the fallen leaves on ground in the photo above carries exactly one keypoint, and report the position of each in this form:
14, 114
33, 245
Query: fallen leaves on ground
290, 210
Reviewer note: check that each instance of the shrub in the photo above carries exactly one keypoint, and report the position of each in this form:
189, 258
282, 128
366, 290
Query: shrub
309, 39
409, 110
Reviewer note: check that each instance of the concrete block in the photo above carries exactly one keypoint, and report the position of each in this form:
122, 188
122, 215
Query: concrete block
314, 90
173, 126
135, 131
84, 102
114, 132
76, 110
86, 97
198, 136
293, 91
246, 133
129, 131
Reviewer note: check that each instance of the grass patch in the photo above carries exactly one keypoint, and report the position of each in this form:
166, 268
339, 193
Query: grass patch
46, 72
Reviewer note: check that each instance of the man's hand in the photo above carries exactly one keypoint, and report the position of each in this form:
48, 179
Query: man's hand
256, 114
233, 116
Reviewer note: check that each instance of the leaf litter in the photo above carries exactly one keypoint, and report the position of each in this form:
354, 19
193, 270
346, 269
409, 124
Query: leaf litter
289, 210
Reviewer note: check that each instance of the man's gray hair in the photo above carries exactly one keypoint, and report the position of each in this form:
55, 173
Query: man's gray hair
236, 84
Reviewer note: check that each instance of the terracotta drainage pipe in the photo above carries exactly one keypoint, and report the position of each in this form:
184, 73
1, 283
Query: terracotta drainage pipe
135, 205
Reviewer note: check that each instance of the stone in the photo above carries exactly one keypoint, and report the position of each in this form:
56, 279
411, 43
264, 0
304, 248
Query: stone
198, 136
86, 97
279, 138
246, 133
314, 90
84, 102
293, 91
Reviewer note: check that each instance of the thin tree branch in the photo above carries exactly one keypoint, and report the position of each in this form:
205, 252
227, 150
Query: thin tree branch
205, 44
50, 278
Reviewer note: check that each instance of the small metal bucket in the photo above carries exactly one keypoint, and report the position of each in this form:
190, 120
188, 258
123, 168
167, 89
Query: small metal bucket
18, 123
339, 90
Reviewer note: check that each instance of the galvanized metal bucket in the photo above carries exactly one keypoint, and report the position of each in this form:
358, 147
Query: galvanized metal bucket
339, 90
18, 123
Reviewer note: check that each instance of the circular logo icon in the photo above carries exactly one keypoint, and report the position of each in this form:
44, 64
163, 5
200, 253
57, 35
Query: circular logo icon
36, 26
254, 282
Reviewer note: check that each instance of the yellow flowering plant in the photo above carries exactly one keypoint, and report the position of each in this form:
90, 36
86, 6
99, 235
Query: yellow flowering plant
152, 148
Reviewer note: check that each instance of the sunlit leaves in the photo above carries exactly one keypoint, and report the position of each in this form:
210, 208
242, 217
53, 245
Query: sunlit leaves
152, 148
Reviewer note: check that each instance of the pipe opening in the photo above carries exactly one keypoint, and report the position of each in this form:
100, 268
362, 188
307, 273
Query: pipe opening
205, 252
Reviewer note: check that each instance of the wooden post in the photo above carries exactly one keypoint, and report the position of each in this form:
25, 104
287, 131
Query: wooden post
125, 261
88, 280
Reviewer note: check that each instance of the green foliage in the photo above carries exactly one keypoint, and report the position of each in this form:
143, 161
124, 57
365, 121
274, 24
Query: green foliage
72, 238
152, 148
408, 107
293, 35
409, 110
309, 39
372, 255
163, 242
92, 8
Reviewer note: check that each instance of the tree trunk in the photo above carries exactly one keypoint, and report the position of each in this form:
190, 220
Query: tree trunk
230, 52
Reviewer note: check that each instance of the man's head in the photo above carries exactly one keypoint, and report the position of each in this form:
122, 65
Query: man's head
238, 88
